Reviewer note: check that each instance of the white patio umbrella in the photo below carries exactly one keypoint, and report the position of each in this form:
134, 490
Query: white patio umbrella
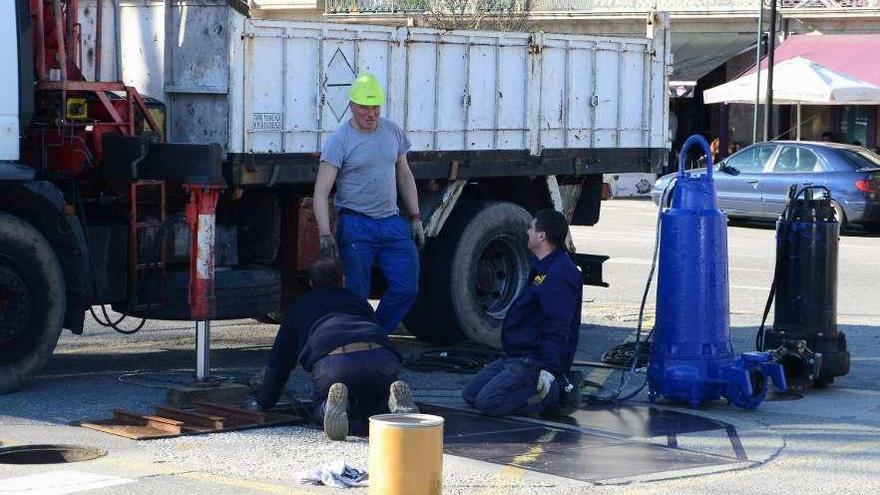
798, 81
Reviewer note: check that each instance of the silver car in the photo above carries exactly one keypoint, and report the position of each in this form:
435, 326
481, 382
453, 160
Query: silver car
753, 183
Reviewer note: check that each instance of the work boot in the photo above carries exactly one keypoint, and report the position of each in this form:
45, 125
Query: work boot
569, 400
336, 412
400, 399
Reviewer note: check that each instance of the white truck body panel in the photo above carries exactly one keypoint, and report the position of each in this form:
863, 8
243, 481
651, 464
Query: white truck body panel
451, 91
9, 123
277, 86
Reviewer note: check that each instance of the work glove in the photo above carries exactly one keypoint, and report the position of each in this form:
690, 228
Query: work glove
327, 247
418, 233
545, 380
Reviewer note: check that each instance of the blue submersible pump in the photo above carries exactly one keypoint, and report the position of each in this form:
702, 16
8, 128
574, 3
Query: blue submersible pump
692, 358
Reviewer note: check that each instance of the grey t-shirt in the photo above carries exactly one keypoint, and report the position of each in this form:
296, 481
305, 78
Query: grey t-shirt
367, 163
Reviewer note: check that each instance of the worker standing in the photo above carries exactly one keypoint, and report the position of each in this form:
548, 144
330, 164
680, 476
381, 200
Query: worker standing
539, 334
366, 159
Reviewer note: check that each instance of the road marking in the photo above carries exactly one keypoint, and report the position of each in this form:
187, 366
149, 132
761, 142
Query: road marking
628, 261
59, 483
647, 262
750, 287
166, 470
755, 270
241, 483
511, 476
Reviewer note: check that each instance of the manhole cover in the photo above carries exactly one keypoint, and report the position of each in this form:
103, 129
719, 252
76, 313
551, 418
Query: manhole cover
48, 454
778, 395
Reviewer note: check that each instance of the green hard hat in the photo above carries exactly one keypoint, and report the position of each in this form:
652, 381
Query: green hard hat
366, 90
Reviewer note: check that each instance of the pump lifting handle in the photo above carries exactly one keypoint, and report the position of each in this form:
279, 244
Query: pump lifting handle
696, 139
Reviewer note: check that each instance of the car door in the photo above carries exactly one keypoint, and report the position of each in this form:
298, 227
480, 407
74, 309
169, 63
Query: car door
796, 165
738, 180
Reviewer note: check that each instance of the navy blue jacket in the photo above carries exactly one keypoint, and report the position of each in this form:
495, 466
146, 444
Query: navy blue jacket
320, 321
544, 321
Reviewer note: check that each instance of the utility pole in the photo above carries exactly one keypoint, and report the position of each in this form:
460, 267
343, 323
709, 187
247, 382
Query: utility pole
756, 110
768, 104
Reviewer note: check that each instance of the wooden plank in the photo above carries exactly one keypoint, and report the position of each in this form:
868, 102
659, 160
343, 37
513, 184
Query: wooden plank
211, 408
172, 422
134, 432
191, 418
155, 422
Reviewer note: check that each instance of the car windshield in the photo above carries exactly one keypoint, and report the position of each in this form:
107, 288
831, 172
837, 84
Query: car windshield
861, 159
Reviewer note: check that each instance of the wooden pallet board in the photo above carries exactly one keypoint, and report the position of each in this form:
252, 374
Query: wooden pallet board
204, 417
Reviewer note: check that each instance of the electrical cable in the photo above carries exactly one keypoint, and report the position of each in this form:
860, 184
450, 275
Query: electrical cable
625, 376
464, 357
108, 320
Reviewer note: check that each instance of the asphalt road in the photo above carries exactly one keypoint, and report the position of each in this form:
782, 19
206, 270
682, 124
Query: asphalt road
825, 442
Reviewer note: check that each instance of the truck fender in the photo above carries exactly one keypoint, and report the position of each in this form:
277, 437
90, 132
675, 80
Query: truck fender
563, 199
564, 203
441, 214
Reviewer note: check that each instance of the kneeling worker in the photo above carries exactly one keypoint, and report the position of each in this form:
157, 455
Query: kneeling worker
334, 335
539, 334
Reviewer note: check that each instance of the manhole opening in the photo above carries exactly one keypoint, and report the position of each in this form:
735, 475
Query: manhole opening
48, 454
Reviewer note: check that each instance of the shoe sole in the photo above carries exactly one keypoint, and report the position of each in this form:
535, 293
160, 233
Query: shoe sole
400, 399
336, 412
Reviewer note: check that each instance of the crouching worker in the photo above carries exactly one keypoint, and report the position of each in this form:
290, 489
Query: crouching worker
539, 335
334, 335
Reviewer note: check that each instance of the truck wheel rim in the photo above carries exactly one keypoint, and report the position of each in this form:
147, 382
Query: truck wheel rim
497, 280
15, 305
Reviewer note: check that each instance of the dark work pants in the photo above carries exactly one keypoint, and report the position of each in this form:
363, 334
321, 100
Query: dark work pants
507, 386
367, 374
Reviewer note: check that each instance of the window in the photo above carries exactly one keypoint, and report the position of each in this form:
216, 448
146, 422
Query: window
797, 160
751, 160
862, 159
854, 124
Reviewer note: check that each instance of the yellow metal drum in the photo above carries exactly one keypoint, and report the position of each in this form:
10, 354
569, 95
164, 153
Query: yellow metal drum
406, 454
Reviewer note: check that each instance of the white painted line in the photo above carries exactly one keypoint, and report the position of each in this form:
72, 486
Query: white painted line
58, 483
756, 270
628, 261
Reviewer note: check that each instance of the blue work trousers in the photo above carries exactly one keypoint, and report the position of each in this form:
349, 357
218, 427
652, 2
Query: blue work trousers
509, 386
387, 242
368, 376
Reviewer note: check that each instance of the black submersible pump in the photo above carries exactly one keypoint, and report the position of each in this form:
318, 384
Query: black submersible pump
804, 337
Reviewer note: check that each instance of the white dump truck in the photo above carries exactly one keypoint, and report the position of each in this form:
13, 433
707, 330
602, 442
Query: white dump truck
110, 139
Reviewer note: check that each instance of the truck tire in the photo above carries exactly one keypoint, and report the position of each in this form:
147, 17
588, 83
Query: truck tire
473, 272
32, 301
243, 292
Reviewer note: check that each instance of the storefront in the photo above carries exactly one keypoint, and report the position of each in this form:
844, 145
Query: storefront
854, 55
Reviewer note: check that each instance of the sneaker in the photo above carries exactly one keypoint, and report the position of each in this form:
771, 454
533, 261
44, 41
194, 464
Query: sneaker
569, 400
336, 412
400, 399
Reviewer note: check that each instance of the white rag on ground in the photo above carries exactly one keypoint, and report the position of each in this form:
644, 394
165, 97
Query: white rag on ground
336, 474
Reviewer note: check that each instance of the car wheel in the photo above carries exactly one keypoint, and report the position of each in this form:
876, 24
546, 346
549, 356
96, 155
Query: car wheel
32, 301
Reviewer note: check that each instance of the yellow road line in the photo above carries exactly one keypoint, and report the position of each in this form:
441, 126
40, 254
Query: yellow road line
512, 476
170, 470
